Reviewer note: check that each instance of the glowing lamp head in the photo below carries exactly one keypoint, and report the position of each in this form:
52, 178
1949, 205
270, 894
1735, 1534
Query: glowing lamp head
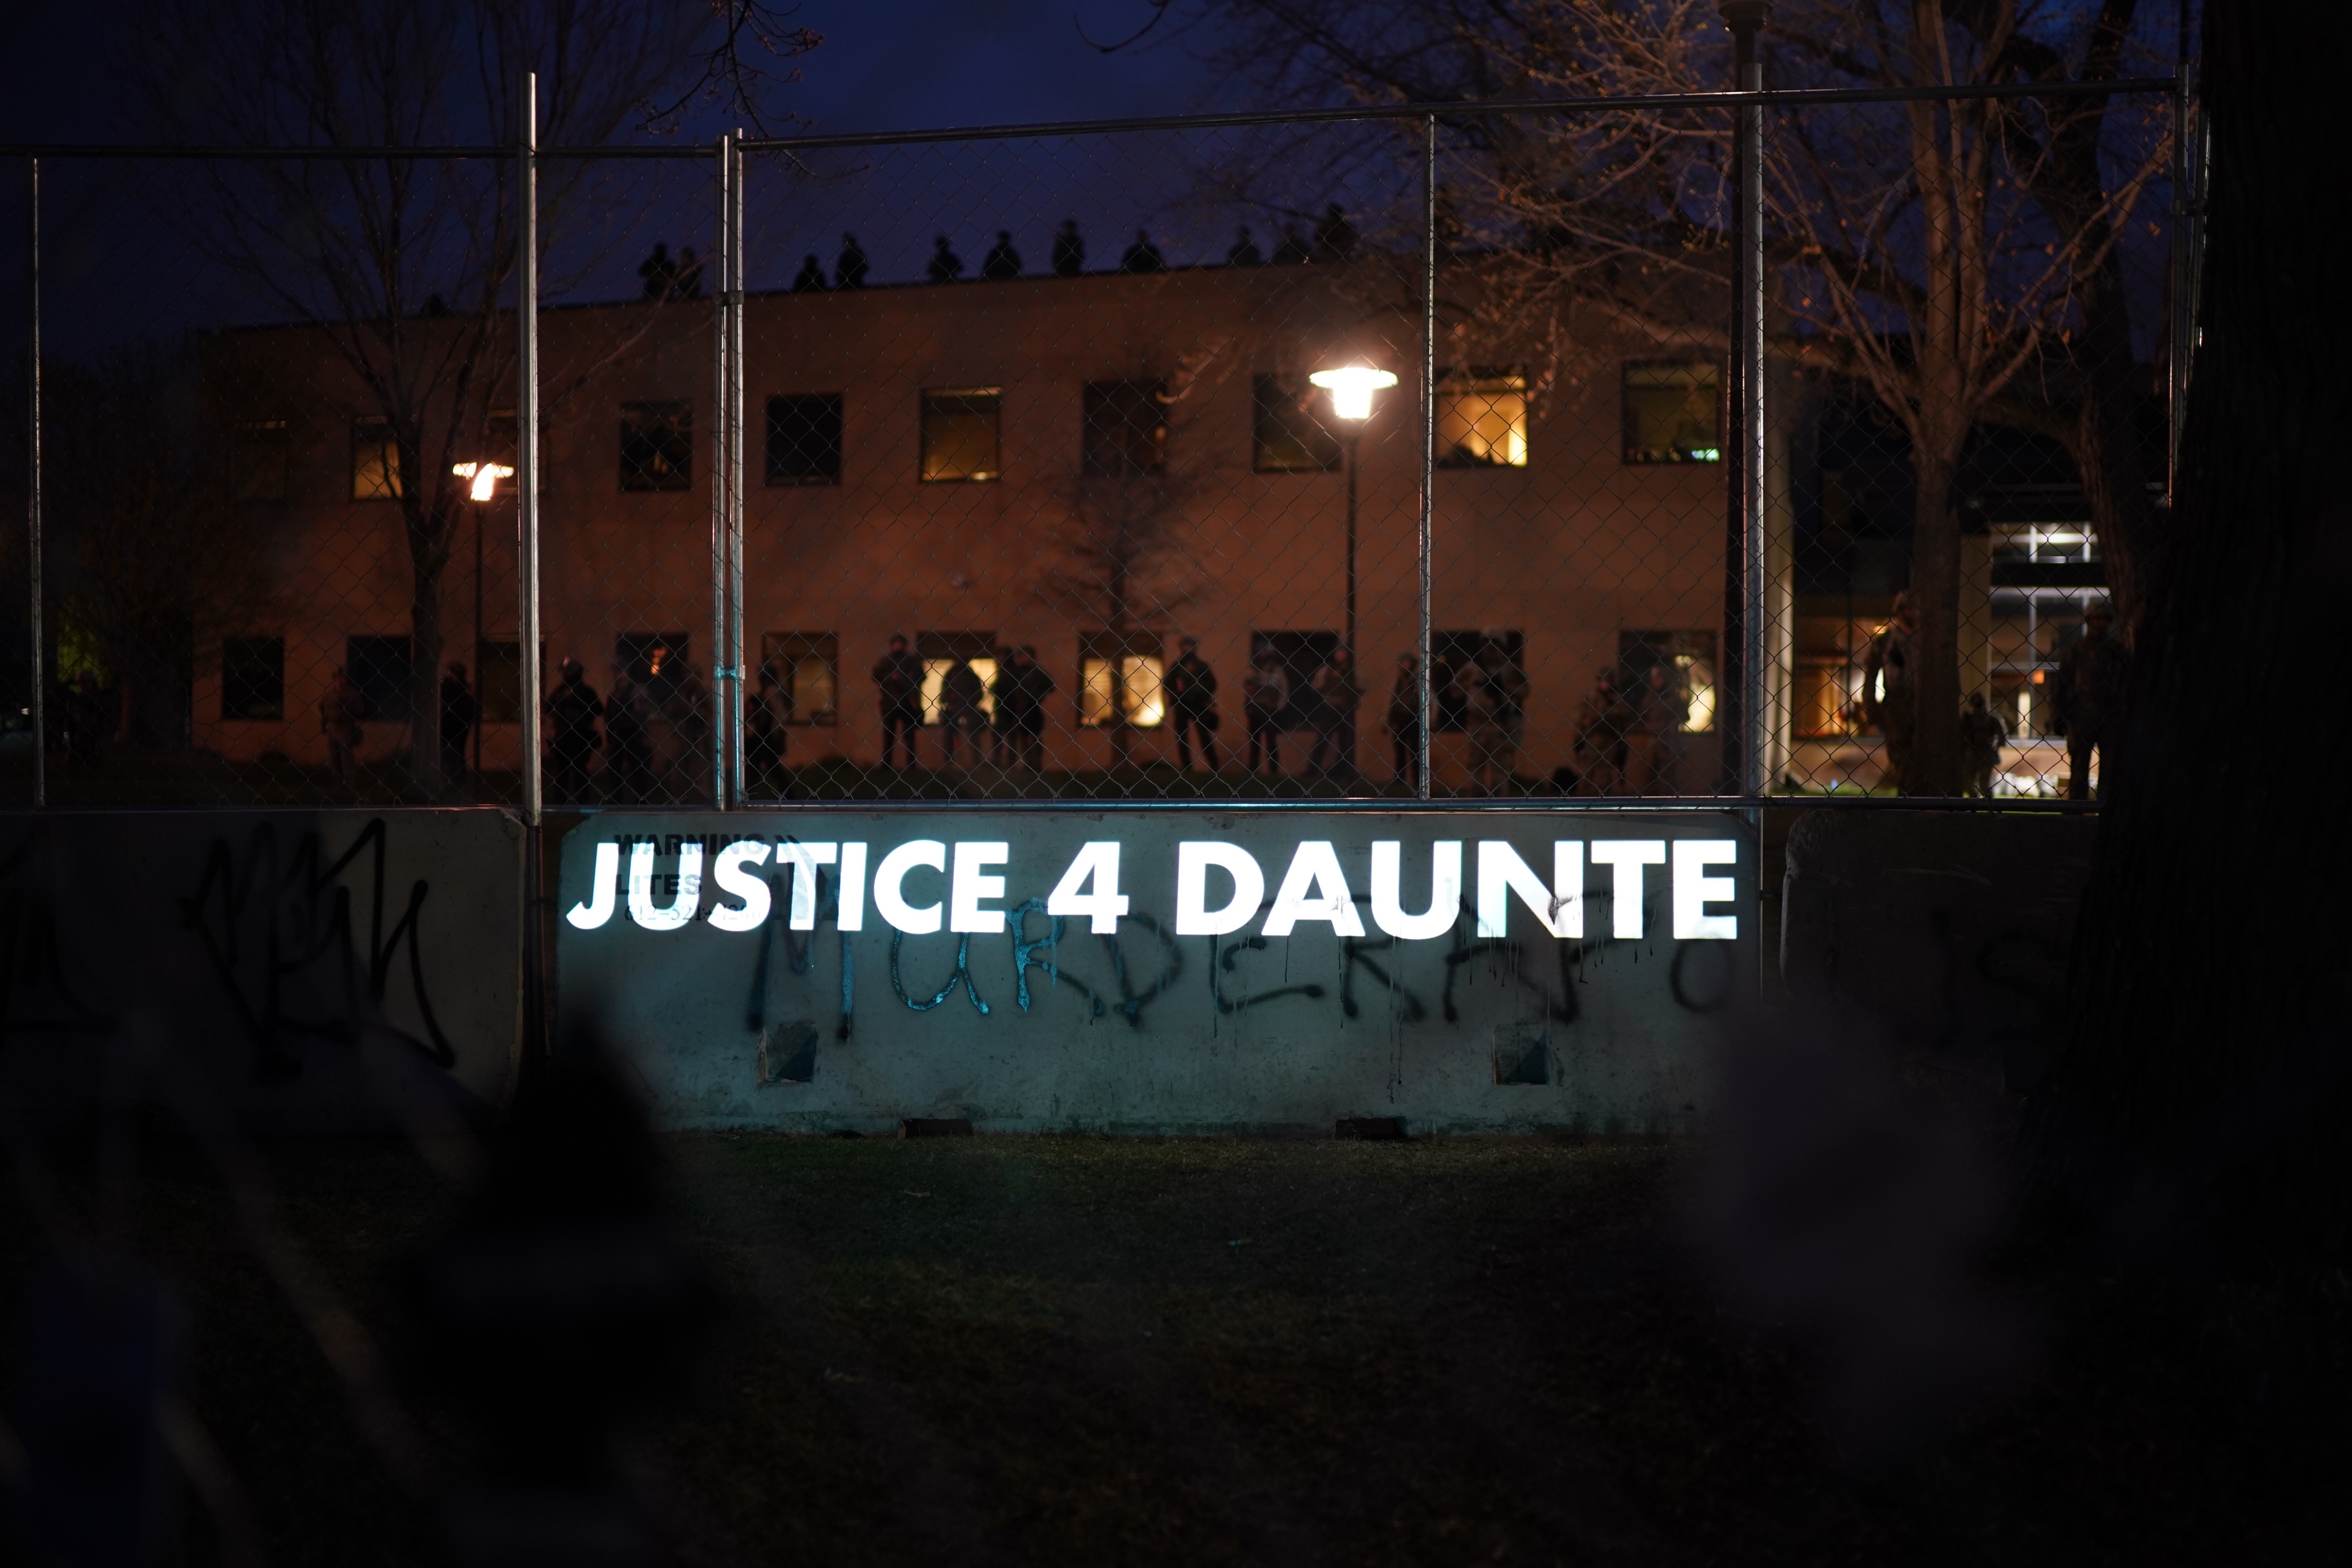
1351, 388
486, 477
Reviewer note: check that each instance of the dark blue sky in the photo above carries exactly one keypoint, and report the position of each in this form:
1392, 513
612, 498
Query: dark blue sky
886, 65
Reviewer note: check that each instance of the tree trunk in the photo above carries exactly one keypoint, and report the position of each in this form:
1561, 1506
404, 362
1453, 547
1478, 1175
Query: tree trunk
2216, 1093
428, 555
1934, 765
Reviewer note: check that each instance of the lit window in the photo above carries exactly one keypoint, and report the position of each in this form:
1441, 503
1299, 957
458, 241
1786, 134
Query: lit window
1688, 683
656, 446
806, 669
960, 434
1286, 434
1120, 677
1674, 413
1482, 422
259, 451
940, 653
253, 677
1125, 428
375, 459
805, 439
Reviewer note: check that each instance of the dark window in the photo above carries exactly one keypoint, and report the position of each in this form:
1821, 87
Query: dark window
375, 459
1298, 655
253, 677
960, 434
1448, 652
1125, 428
382, 668
1286, 435
656, 446
1674, 413
260, 451
806, 669
657, 661
499, 680
805, 439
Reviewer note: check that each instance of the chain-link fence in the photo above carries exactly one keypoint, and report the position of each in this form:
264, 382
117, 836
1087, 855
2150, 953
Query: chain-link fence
1584, 450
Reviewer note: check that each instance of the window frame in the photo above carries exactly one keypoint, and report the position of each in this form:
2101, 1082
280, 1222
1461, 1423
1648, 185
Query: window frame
229, 682
386, 446
264, 446
782, 654
1632, 456
776, 477
1124, 657
677, 446
1101, 416
364, 673
1270, 391
1460, 385
934, 400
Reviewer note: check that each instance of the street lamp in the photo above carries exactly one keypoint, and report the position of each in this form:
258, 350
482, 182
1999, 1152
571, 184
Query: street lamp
485, 477
1351, 388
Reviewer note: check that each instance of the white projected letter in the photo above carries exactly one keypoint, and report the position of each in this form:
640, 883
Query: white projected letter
641, 886
728, 873
1558, 908
1314, 868
890, 903
1193, 858
1628, 856
1098, 862
852, 915
804, 858
1444, 890
1694, 889
601, 889
970, 886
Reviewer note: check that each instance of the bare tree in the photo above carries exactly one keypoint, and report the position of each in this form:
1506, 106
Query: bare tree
1119, 565
406, 265
1947, 256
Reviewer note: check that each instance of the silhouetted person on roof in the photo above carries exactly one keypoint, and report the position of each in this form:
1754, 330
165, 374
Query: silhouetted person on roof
1003, 262
1334, 236
849, 268
1143, 256
1292, 250
809, 279
659, 272
1244, 252
946, 265
1069, 250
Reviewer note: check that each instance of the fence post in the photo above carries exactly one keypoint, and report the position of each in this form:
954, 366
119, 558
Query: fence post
1740, 690
1428, 422
37, 708
722, 672
735, 438
526, 435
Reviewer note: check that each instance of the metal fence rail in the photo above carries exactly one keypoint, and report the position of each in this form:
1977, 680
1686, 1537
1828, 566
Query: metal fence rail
1381, 454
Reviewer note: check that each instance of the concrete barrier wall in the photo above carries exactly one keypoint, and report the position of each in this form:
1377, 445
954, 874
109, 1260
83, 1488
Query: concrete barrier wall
1949, 929
307, 971
847, 997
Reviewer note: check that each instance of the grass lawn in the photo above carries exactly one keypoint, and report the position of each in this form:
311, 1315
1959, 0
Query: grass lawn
1042, 1349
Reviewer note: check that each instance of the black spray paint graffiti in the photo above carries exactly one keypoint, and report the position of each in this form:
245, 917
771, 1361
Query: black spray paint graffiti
35, 995
306, 931
799, 955
1508, 959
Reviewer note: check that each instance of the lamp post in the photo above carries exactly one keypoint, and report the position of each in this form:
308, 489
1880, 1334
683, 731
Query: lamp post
485, 478
1351, 388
